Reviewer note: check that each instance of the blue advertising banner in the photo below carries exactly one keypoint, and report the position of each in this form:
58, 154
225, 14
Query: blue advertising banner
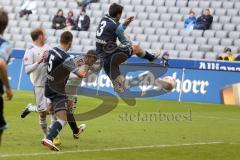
197, 81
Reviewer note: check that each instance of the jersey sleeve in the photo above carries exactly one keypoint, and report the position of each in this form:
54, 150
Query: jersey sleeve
28, 57
70, 65
120, 34
5, 51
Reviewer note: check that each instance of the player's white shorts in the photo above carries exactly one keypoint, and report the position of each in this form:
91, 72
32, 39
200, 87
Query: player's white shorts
41, 100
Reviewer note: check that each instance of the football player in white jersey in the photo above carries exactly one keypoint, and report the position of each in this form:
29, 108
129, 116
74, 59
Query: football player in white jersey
34, 62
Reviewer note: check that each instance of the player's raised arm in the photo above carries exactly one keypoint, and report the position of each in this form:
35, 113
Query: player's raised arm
120, 31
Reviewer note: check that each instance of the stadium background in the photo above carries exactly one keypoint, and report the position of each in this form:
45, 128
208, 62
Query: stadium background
158, 24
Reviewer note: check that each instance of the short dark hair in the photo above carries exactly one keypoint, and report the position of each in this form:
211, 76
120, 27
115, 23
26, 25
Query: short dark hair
115, 9
3, 20
36, 33
66, 37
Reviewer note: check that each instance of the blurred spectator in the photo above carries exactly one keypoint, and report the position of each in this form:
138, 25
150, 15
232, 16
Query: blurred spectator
190, 21
70, 21
59, 21
84, 3
204, 21
227, 56
82, 22
29, 7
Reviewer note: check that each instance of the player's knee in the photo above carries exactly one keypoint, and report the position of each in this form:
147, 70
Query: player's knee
136, 49
62, 122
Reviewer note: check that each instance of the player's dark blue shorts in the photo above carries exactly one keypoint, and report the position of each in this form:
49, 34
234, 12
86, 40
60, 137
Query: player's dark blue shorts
114, 59
58, 102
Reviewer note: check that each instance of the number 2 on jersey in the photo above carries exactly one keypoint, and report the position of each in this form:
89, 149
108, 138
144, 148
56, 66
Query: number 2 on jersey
101, 28
50, 63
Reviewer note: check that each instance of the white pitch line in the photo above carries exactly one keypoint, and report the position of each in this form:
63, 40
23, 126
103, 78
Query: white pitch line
108, 149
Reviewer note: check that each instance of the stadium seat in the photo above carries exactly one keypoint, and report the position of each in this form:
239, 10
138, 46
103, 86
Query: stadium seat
184, 10
139, 9
232, 12
169, 24
229, 27
177, 39
156, 46
157, 24
236, 20
206, 48
136, 2
168, 46
150, 9
50, 4
221, 34
182, 3
201, 40
226, 42
180, 25
141, 37
162, 10
149, 31
158, 2
197, 55
154, 17
172, 53
210, 55
237, 5
127, 8
185, 54
177, 18
218, 49
216, 4
20, 44
214, 41
234, 35
181, 47
86, 42
152, 38
197, 33
220, 12
217, 26
193, 4
146, 23
173, 10
204, 4
193, 47
165, 17
165, 39
209, 33
228, 4
147, 3
224, 19
188, 40
161, 31
173, 32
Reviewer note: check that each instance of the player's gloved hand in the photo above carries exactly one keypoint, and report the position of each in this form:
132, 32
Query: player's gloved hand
9, 94
128, 20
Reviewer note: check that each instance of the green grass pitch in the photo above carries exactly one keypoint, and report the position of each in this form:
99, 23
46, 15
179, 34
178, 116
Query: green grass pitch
202, 132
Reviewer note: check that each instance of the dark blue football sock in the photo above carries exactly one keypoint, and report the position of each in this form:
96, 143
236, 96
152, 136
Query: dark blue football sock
56, 128
148, 56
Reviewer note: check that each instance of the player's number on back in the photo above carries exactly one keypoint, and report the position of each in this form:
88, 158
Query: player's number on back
101, 28
50, 63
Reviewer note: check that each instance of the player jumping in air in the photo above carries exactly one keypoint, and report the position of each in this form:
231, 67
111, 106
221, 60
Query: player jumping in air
112, 55
60, 65
5, 51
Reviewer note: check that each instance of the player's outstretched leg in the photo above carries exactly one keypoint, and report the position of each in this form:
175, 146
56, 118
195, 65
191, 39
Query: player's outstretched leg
147, 54
30, 108
43, 122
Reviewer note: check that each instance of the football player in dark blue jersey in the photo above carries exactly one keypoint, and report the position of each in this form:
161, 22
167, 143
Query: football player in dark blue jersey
5, 52
60, 65
112, 55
